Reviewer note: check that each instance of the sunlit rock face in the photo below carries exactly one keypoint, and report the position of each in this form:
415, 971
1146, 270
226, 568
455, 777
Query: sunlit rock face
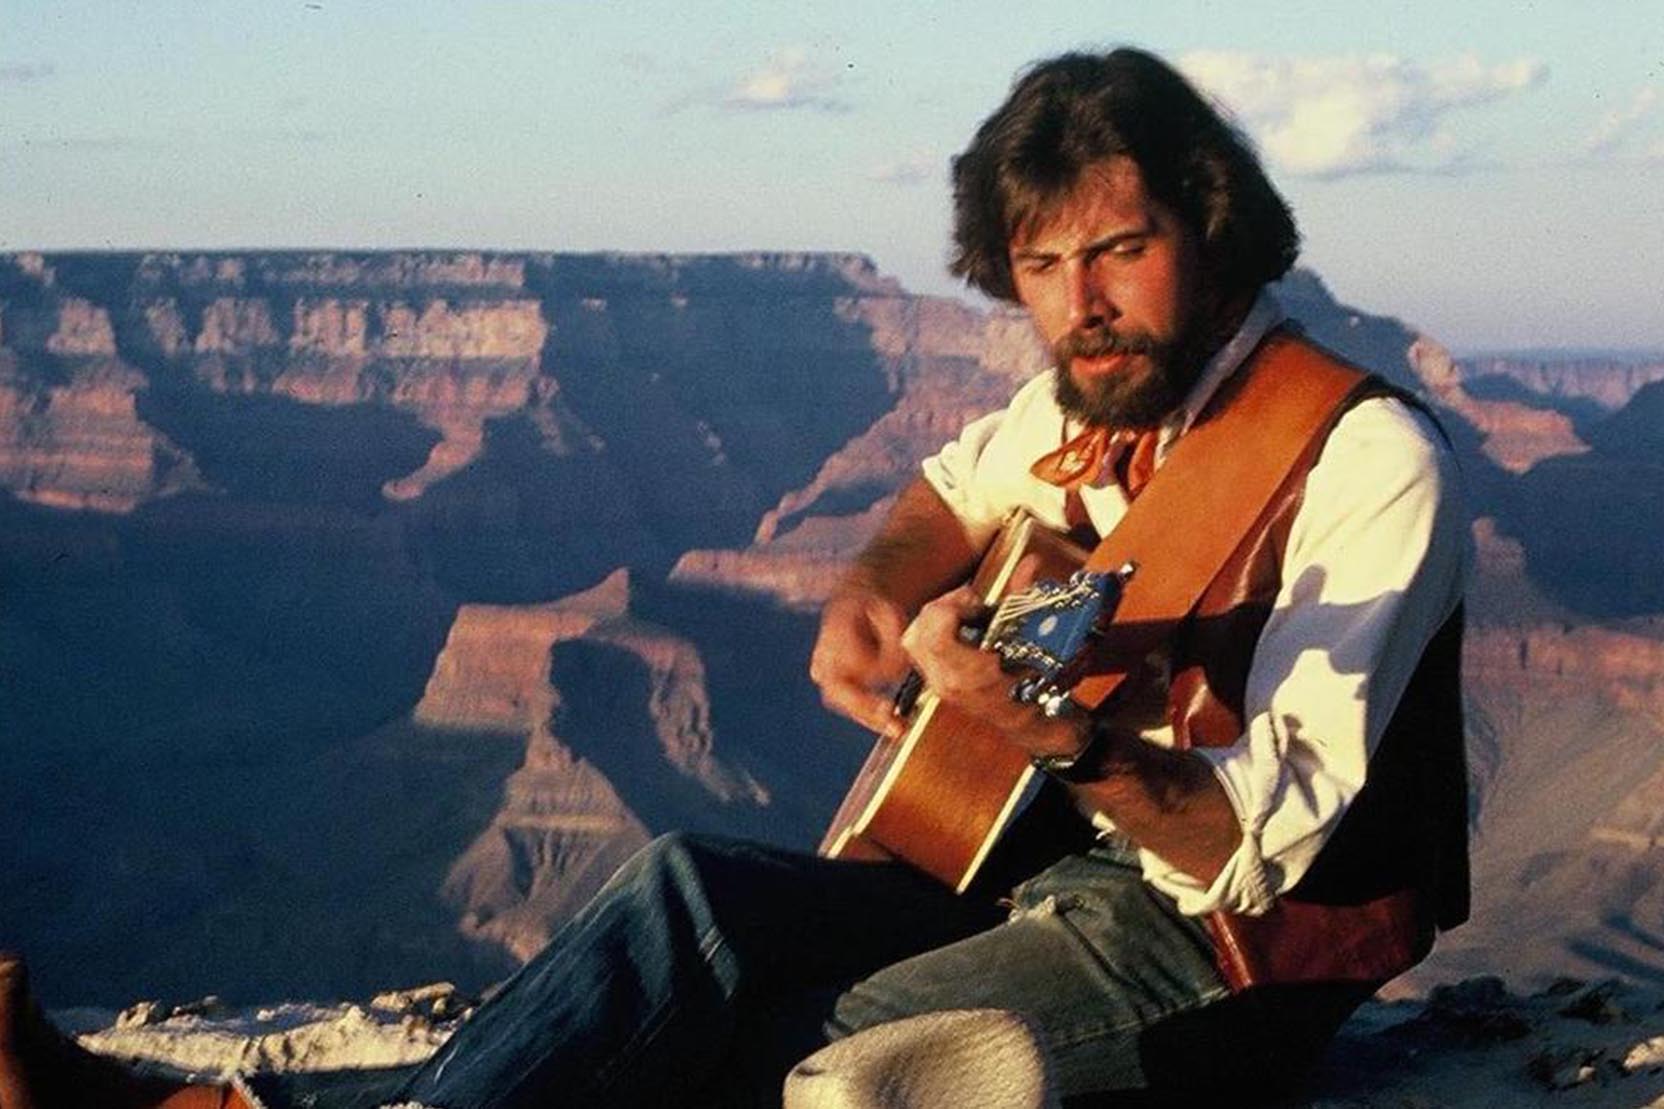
360, 613
70, 433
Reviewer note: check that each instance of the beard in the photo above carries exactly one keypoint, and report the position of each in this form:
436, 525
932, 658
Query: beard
1136, 397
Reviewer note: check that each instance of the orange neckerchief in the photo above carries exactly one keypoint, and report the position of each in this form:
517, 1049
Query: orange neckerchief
1130, 454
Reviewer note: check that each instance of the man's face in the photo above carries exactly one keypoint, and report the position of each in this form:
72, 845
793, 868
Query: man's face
1112, 280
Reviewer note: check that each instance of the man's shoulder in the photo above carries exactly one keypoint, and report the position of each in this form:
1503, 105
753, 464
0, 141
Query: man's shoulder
1380, 416
1394, 414
1389, 430
1386, 448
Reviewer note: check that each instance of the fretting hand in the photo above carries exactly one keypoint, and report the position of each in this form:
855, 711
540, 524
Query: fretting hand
973, 681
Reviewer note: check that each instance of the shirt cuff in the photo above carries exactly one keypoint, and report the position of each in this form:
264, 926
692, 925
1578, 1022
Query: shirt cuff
1244, 884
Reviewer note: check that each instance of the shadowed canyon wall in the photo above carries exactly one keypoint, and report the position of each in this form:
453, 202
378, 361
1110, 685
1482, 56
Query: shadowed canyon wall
360, 612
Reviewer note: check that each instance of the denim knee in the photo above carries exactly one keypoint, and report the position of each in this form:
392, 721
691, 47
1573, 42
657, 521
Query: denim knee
671, 858
678, 878
673, 851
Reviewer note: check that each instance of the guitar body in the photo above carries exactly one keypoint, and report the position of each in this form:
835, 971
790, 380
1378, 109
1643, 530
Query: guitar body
942, 794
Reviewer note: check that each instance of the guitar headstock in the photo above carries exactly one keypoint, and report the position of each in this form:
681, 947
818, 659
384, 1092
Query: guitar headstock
1047, 629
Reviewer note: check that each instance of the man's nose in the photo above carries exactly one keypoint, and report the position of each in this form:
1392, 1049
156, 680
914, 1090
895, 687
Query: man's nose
1089, 303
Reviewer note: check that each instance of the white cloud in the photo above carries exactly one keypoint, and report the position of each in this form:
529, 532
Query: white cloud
1353, 114
788, 80
1622, 130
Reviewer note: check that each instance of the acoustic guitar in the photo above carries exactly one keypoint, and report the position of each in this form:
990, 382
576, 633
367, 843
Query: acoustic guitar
941, 794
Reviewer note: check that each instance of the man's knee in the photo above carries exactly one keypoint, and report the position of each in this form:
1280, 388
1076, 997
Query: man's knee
678, 855
671, 849
663, 872
709, 874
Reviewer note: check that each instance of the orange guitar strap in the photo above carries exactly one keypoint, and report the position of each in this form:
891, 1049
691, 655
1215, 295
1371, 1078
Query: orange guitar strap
1212, 488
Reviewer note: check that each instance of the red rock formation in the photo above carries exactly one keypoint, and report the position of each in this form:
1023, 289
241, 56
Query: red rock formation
82, 446
951, 364
1516, 436
1606, 382
83, 328
1550, 659
74, 439
453, 361
230, 325
469, 269
453, 366
797, 570
562, 827
511, 329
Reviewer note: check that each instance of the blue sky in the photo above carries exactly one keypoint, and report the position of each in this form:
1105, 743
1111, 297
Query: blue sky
1487, 171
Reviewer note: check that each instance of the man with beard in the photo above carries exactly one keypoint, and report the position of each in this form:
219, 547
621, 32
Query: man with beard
1281, 812
1270, 827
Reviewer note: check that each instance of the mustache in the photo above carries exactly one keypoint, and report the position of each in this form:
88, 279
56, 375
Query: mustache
1100, 341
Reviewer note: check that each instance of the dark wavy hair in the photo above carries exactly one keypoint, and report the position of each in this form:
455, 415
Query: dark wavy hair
1067, 113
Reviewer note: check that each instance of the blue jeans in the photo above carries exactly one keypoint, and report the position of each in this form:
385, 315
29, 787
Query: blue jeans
706, 967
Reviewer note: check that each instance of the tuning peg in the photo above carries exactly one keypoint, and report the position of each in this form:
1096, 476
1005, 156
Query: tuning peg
1056, 703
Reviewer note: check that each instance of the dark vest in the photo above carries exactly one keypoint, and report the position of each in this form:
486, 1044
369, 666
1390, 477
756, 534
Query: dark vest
1396, 868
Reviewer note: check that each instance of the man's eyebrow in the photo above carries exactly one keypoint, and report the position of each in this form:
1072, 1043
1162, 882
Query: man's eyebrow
1106, 242
1115, 238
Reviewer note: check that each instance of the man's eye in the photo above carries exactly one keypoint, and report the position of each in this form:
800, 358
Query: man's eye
1037, 266
1128, 248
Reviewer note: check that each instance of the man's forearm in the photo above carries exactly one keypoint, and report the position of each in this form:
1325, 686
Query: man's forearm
921, 551
1167, 802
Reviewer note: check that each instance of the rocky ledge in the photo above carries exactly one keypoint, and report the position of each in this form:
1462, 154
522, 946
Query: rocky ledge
1472, 1045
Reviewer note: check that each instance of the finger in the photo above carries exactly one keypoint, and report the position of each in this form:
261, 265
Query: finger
872, 711
890, 661
969, 673
962, 602
929, 633
952, 667
888, 622
941, 618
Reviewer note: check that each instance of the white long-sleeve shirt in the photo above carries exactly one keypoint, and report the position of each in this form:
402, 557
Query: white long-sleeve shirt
1378, 556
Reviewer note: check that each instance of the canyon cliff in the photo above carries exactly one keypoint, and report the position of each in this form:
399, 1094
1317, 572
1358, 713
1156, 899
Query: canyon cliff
360, 612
